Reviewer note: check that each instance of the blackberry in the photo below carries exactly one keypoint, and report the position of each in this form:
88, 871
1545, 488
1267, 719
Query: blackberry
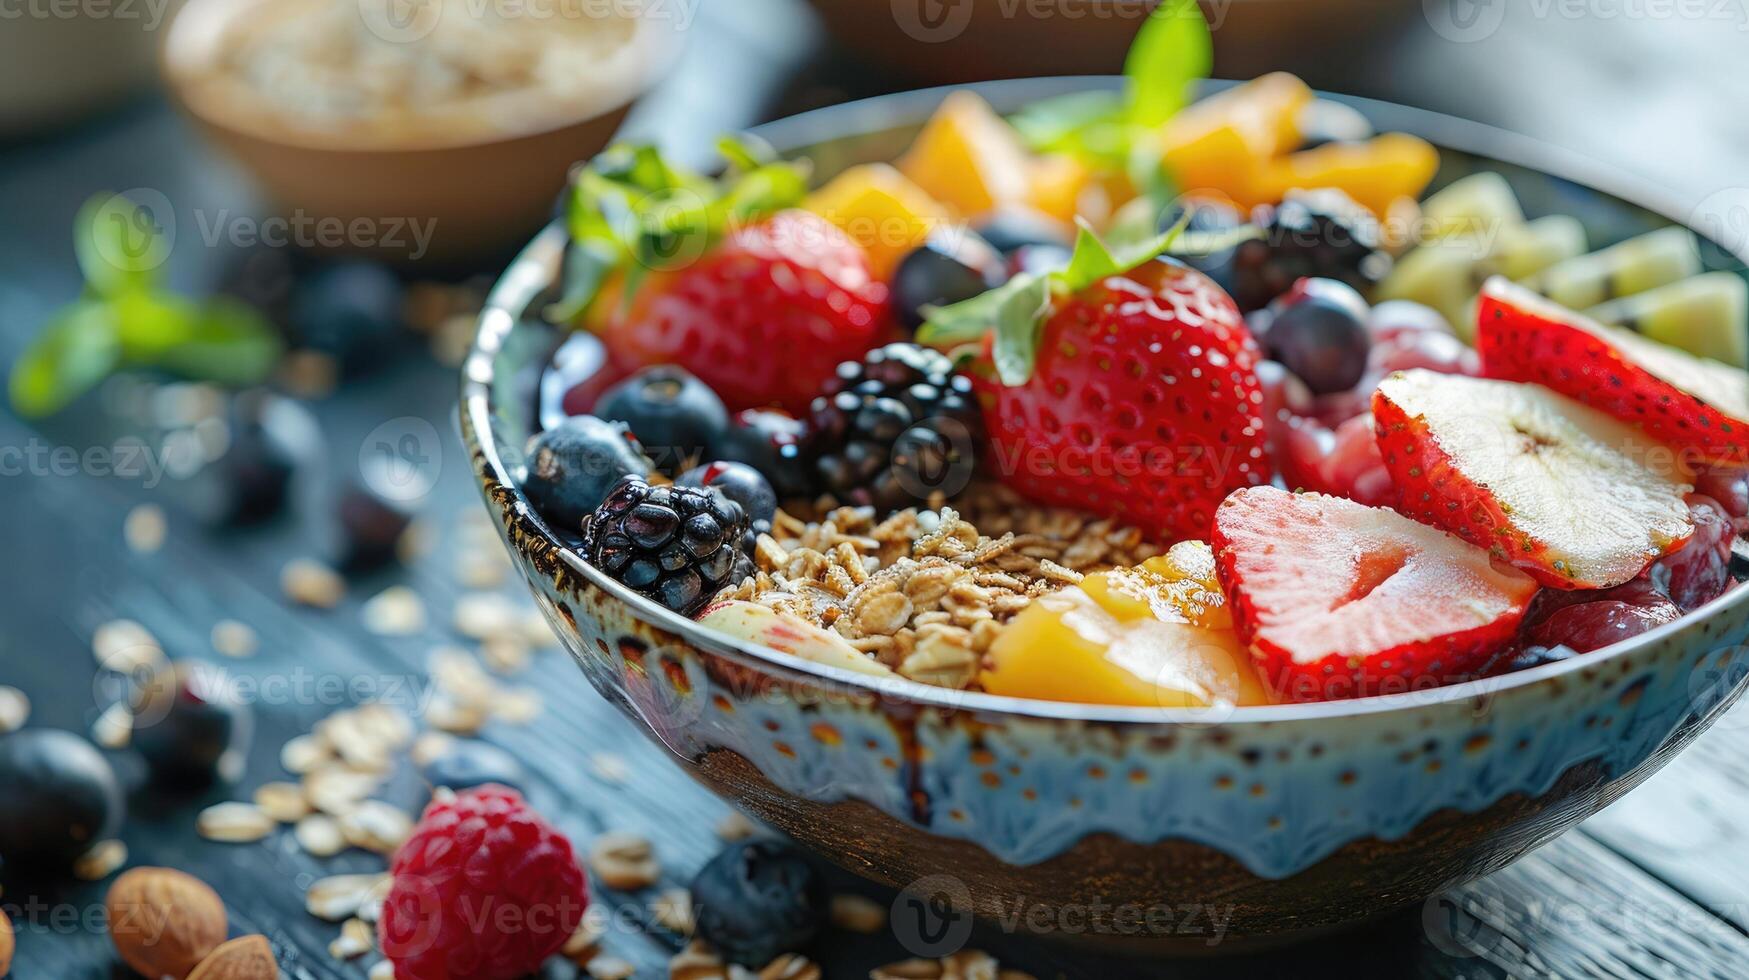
894, 427
677, 545
1320, 234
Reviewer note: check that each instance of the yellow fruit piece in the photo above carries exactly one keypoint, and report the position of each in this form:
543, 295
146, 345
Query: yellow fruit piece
1156, 635
1375, 172
880, 210
1063, 188
968, 158
1218, 145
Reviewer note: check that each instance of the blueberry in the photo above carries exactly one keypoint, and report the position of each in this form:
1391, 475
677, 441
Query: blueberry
741, 483
944, 270
468, 763
61, 797
757, 900
351, 310
1038, 259
370, 527
771, 442
1013, 228
675, 415
1207, 217
268, 440
1318, 331
572, 467
579, 373
189, 725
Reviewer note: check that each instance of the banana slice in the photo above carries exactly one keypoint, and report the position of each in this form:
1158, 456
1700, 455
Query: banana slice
1706, 315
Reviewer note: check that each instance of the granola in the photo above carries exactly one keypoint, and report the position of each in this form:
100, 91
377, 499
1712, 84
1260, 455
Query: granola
926, 592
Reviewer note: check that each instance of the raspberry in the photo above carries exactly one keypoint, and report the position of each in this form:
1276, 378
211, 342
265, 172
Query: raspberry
484, 889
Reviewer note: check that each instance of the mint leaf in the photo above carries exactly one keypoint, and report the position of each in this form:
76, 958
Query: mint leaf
118, 244
1170, 53
224, 341
1090, 125
75, 350
586, 266
1019, 322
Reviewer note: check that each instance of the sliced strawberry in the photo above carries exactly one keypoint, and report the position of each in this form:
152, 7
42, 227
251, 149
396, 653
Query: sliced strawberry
1338, 599
1539, 480
764, 318
1692, 403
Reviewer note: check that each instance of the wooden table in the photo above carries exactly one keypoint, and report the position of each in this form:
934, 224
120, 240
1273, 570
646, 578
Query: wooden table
1653, 887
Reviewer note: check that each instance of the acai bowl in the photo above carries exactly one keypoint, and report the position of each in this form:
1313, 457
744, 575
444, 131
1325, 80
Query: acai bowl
1253, 771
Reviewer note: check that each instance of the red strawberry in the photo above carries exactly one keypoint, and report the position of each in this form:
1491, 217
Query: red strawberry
763, 318
1539, 480
1337, 599
1143, 404
1692, 403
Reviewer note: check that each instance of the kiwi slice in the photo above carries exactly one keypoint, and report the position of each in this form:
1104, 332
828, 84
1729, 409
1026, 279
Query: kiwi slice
1706, 315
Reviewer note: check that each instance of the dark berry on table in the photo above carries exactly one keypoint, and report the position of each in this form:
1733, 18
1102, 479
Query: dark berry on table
350, 310
949, 267
741, 483
371, 526
774, 443
900, 390
1699, 571
675, 416
467, 763
189, 725
757, 900
268, 439
1038, 260
1321, 233
573, 466
1318, 331
1014, 228
60, 797
677, 545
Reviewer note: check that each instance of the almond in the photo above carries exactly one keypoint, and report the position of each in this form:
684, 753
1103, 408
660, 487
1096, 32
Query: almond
243, 958
164, 922
6, 943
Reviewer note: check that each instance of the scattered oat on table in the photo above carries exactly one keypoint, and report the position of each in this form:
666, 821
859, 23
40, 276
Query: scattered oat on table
624, 862
342, 896
736, 827
356, 939
145, 529
603, 967
304, 754
233, 823
114, 728
376, 826
858, 914
794, 966
234, 639
395, 611
126, 647
103, 860
673, 911
609, 767
310, 583
320, 835
14, 709
283, 802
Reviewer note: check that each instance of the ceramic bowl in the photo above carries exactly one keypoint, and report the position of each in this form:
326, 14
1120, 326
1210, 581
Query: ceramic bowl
1102, 821
477, 191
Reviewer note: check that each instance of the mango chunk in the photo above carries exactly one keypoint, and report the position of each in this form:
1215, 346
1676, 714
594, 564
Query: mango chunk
881, 210
1156, 635
1374, 172
1218, 145
968, 158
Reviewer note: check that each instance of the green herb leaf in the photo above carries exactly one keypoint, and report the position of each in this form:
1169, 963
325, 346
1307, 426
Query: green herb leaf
1019, 322
586, 266
118, 244
1091, 125
148, 324
75, 350
1170, 53
225, 341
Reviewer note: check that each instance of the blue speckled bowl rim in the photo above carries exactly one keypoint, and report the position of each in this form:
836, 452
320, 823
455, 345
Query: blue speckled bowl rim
529, 274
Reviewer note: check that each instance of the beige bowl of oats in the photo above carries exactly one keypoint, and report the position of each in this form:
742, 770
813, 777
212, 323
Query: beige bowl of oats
458, 118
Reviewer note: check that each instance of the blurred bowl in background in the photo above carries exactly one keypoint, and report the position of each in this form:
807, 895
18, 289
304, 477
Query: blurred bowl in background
950, 41
368, 117
58, 65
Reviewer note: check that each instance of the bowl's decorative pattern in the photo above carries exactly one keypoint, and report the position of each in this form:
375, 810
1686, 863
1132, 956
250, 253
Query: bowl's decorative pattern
1277, 792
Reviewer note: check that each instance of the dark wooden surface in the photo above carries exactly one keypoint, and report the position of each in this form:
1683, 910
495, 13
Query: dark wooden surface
1653, 887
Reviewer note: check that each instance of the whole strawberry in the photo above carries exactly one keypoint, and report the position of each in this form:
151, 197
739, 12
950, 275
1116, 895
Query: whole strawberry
484, 889
1142, 403
763, 318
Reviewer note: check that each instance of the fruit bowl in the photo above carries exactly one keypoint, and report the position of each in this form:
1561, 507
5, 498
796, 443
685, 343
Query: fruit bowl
1288, 820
